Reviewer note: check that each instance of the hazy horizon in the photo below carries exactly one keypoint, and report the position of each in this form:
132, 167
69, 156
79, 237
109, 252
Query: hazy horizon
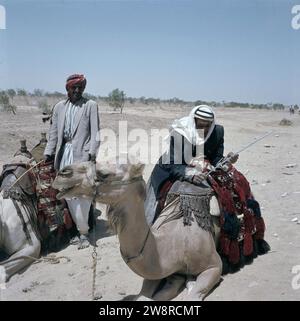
45, 93
242, 51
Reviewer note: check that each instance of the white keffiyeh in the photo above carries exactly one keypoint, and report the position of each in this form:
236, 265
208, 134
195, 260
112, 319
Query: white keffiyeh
186, 126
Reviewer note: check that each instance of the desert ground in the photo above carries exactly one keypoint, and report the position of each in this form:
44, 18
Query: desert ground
272, 167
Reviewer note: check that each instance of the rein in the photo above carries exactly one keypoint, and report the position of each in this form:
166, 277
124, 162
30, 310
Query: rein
19, 178
95, 182
122, 183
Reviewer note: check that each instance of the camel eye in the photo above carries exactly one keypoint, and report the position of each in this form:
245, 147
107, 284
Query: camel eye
66, 172
102, 176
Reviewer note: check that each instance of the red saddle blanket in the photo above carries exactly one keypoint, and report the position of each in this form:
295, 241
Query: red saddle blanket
53, 214
236, 199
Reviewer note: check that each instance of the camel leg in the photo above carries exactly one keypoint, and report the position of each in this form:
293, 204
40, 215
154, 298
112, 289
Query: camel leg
19, 260
148, 289
174, 284
204, 283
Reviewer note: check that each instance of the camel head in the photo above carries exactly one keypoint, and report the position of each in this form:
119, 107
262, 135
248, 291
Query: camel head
110, 181
73, 181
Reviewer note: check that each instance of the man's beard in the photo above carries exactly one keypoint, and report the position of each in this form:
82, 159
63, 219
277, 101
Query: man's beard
201, 133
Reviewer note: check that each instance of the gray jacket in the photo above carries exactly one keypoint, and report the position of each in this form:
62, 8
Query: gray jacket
85, 139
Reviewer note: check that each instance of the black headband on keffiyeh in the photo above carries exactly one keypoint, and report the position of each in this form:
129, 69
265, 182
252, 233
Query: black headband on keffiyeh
186, 126
205, 113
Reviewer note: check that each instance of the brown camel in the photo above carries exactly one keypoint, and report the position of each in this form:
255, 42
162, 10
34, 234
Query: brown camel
169, 254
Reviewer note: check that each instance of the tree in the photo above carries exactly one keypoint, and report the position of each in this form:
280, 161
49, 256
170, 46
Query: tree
55, 94
5, 104
44, 106
4, 98
131, 100
277, 106
142, 100
21, 92
90, 96
199, 102
11, 93
116, 99
38, 92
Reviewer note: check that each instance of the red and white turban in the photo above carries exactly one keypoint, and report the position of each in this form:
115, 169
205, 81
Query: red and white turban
74, 80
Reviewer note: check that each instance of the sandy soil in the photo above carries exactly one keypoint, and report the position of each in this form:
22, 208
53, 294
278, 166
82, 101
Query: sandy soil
276, 186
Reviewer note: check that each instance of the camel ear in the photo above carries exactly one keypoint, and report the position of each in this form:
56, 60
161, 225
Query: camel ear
136, 170
135, 167
132, 159
81, 169
67, 171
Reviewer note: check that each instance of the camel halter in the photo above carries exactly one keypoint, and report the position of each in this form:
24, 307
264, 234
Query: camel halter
121, 183
126, 259
96, 182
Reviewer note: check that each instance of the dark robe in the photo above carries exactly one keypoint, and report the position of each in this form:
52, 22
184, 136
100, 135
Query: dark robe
180, 153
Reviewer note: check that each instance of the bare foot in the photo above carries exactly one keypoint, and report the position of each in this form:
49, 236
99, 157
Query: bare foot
74, 240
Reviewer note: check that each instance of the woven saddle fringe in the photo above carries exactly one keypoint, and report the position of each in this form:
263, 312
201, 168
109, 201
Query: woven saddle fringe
194, 207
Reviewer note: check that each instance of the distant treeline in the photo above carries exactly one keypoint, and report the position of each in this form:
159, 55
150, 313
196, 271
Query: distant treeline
7, 100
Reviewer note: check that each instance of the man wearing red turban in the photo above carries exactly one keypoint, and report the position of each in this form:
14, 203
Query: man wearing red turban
75, 80
73, 139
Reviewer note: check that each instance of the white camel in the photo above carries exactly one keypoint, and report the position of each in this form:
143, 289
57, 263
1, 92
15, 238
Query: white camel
166, 255
21, 247
18, 235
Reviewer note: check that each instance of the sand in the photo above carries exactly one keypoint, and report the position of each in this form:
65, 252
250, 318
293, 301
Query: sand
275, 185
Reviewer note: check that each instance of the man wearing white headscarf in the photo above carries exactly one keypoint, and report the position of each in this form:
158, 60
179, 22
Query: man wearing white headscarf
190, 137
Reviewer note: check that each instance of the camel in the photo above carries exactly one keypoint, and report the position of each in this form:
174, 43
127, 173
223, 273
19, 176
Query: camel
18, 234
177, 261
22, 248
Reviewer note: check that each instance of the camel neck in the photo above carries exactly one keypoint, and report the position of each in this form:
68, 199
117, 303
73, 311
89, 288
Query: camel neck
137, 243
134, 228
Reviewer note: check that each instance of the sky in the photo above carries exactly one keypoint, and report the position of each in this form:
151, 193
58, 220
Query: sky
225, 50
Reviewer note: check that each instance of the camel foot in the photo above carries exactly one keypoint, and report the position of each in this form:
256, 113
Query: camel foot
149, 288
3, 277
190, 285
204, 284
142, 298
172, 287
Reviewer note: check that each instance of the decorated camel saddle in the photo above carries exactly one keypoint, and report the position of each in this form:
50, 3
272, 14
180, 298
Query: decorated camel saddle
28, 179
15, 182
224, 206
194, 203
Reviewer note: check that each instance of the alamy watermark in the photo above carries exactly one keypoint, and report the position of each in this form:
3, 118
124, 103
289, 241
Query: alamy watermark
2, 18
296, 278
296, 18
146, 146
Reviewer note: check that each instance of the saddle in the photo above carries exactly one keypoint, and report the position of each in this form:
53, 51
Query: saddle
186, 188
9, 175
194, 203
